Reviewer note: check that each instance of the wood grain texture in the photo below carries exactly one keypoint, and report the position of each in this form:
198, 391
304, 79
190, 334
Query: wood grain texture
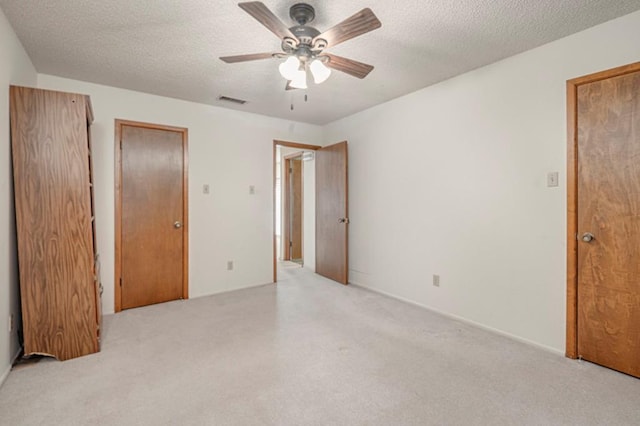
274, 248
262, 14
97, 287
152, 202
290, 144
608, 296
296, 208
120, 124
571, 346
117, 299
246, 58
572, 197
50, 151
285, 184
292, 206
354, 26
332, 205
349, 66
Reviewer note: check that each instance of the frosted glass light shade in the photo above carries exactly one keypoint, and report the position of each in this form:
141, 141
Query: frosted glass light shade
289, 68
299, 81
320, 71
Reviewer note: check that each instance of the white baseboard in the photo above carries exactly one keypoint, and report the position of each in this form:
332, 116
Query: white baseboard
206, 295
8, 370
462, 319
5, 375
234, 289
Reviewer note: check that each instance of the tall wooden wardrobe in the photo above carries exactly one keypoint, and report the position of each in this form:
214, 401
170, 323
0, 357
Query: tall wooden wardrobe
52, 172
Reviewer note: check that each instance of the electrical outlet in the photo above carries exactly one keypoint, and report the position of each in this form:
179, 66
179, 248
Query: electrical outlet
436, 280
230, 265
11, 325
552, 179
205, 188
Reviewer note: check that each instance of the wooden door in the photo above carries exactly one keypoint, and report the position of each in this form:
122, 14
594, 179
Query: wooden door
292, 190
608, 228
332, 214
153, 228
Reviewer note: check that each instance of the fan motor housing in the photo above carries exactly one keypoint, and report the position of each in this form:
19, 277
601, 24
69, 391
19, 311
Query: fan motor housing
302, 13
304, 33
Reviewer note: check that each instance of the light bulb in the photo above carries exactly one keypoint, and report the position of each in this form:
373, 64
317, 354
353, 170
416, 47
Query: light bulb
320, 71
299, 80
289, 68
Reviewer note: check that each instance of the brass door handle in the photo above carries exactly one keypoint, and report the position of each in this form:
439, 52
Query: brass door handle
177, 224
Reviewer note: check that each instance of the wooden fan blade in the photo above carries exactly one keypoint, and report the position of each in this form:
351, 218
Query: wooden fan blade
263, 15
358, 24
245, 58
349, 66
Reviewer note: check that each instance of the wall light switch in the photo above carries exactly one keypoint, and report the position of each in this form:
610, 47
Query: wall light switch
230, 265
436, 280
205, 188
252, 189
552, 179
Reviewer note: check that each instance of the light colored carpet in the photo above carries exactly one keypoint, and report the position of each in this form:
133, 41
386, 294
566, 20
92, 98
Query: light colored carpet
286, 264
311, 352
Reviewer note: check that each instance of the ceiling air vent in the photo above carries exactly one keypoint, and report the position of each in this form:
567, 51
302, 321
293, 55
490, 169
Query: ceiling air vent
234, 100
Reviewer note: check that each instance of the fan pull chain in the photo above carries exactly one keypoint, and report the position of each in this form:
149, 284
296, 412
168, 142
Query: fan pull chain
306, 99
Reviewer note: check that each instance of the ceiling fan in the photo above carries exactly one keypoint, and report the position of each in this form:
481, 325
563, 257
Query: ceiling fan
303, 46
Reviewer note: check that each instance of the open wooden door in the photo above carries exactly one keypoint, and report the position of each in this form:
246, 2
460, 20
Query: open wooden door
292, 194
607, 114
332, 215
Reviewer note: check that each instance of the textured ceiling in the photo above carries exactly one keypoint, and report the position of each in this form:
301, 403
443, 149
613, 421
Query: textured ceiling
171, 47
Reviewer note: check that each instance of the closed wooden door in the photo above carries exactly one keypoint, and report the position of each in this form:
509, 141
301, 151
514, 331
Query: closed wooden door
332, 214
608, 293
153, 242
293, 208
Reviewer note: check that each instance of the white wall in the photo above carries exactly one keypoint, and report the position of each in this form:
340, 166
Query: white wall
15, 68
229, 150
451, 180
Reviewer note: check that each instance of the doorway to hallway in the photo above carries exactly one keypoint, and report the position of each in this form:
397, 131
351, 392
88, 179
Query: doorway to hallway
294, 206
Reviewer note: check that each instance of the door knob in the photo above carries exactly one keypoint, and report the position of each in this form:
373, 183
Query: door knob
177, 224
587, 237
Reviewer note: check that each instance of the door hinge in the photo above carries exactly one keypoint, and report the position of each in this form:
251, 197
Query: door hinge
120, 281
290, 243
290, 169
120, 144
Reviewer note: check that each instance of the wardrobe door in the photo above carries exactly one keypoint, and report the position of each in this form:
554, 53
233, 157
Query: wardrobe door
50, 149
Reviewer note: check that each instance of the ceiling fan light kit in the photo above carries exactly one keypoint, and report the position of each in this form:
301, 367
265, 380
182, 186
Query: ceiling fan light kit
319, 71
299, 80
294, 70
303, 46
290, 67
